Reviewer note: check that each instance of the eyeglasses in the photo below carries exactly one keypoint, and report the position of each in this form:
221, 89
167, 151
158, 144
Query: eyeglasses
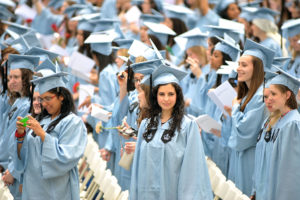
37, 99
47, 99
137, 80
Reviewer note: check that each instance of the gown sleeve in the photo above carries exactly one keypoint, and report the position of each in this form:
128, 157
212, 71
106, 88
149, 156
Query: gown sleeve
194, 169
61, 154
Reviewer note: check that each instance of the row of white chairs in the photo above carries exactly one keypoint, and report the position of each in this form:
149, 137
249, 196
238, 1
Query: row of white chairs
97, 181
4, 191
222, 188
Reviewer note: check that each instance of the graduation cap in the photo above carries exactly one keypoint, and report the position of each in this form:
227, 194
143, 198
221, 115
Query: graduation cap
265, 54
31, 39
136, 2
46, 68
265, 13
85, 25
124, 43
247, 13
228, 46
281, 61
20, 45
151, 18
100, 42
56, 4
138, 48
23, 62
8, 3
222, 5
42, 53
221, 30
103, 24
17, 28
146, 67
287, 80
255, 4
161, 31
5, 14
71, 10
291, 28
166, 74
49, 82
195, 38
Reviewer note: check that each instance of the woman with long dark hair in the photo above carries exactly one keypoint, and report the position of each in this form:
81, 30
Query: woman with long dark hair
47, 151
248, 108
169, 161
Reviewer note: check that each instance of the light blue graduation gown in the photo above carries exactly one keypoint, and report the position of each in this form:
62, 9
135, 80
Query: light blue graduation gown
295, 67
175, 170
42, 23
263, 153
284, 178
272, 44
245, 128
128, 107
50, 167
19, 108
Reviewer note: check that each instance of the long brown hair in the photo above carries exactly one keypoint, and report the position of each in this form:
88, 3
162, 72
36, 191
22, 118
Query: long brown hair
256, 80
144, 112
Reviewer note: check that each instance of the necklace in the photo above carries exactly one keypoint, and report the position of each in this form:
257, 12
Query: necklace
284, 115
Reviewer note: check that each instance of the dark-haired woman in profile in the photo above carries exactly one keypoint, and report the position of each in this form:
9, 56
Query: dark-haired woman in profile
169, 161
47, 151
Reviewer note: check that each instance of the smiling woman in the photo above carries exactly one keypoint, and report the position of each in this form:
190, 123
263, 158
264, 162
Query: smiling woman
169, 161
49, 155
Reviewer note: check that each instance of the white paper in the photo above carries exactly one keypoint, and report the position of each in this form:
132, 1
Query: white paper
223, 95
206, 123
25, 12
46, 40
85, 90
100, 113
133, 14
81, 65
59, 50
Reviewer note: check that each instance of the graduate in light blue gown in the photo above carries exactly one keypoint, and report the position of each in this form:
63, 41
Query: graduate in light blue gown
47, 151
264, 28
291, 31
228, 9
169, 161
284, 175
248, 113
19, 100
264, 145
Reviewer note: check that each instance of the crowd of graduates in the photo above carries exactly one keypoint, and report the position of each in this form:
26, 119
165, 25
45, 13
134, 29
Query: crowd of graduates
148, 66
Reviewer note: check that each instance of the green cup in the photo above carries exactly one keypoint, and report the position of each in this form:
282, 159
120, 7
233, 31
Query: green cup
24, 121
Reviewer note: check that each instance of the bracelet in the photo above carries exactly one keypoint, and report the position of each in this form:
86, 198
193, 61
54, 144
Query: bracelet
20, 141
17, 135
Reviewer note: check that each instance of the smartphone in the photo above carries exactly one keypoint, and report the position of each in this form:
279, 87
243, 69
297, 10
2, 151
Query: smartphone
24, 121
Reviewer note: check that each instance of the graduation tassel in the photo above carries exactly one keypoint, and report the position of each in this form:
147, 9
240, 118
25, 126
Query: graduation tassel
151, 92
31, 103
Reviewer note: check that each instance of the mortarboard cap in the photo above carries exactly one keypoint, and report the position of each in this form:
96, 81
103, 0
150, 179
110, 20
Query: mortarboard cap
253, 4
281, 61
265, 13
20, 45
151, 18
146, 67
42, 53
73, 9
176, 11
221, 30
161, 31
49, 82
56, 4
138, 48
291, 28
228, 46
124, 43
5, 14
46, 68
287, 80
166, 74
23, 62
17, 28
100, 42
222, 5
195, 38
8, 3
103, 24
265, 54
85, 25
31, 39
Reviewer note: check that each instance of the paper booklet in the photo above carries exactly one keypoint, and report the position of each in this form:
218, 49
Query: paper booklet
85, 90
206, 123
223, 96
100, 113
81, 65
